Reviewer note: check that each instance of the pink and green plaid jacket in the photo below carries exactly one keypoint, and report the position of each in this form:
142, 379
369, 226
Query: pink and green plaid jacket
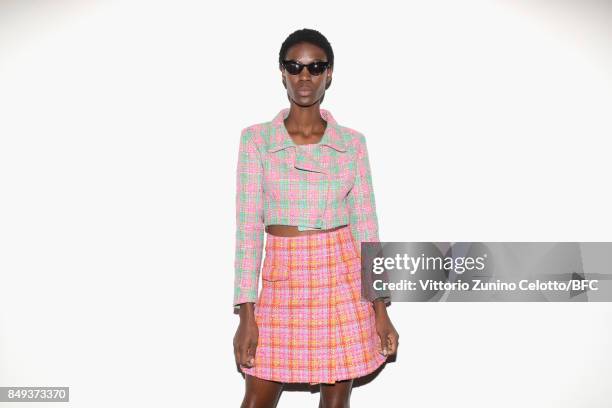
313, 186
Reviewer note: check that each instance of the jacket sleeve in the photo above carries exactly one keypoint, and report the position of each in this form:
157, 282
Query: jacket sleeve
362, 214
249, 221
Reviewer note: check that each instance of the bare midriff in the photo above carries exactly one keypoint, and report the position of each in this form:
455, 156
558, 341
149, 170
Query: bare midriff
292, 230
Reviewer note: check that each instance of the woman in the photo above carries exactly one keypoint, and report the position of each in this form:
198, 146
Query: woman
305, 180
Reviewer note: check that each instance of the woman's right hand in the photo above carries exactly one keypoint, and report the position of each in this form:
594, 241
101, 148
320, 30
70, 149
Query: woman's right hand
246, 337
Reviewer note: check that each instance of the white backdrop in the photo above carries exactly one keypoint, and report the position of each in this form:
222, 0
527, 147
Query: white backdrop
119, 129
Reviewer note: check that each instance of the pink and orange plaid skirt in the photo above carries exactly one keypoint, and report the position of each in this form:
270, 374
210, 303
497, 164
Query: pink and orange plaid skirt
313, 326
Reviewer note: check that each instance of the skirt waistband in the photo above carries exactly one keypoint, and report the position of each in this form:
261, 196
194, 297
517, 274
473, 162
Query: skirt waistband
337, 244
311, 251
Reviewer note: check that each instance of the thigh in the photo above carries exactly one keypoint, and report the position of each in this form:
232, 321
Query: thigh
260, 393
336, 395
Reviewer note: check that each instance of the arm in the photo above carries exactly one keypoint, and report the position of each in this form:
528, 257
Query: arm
249, 221
362, 212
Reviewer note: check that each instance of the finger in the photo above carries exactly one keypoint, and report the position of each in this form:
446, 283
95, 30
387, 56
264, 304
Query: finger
251, 353
244, 355
393, 342
383, 346
236, 354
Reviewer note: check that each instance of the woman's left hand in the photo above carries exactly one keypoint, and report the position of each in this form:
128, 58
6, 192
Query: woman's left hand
389, 338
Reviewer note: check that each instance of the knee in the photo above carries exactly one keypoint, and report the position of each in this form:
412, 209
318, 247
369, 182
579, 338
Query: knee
250, 402
334, 403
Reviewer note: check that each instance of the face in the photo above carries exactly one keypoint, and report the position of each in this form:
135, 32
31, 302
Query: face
305, 89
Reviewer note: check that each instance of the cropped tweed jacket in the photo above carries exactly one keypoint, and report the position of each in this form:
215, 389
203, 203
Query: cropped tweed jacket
312, 186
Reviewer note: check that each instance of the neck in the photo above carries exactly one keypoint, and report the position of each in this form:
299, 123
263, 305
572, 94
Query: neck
305, 119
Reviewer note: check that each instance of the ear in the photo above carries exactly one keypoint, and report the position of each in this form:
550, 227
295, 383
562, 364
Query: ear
284, 83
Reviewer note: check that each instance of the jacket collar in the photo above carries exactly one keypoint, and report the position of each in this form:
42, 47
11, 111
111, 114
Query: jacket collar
281, 139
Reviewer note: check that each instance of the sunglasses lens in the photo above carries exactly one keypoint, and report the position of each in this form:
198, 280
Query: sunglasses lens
317, 68
292, 67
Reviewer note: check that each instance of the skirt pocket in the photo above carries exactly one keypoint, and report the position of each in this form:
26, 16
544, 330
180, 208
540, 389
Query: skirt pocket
274, 269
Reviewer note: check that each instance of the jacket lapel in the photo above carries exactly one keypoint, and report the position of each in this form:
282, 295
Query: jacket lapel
281, 140
305, 161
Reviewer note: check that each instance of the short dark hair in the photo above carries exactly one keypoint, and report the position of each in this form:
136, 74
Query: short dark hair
309, 36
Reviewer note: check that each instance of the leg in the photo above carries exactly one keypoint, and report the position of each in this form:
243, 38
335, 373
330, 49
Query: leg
336, 395
260, 393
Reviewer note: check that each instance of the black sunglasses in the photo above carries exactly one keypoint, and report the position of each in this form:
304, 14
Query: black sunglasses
315, 68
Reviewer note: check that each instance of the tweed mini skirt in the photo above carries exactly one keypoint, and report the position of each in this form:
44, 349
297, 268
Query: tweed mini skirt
313, 325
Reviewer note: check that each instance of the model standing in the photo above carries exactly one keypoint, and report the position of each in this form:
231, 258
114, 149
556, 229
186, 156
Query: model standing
305, 180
